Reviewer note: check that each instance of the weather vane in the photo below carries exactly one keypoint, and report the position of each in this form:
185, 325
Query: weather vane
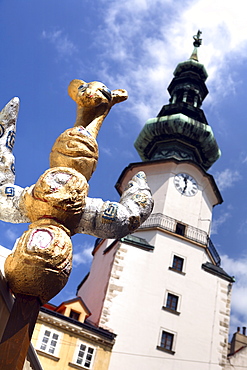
197, 40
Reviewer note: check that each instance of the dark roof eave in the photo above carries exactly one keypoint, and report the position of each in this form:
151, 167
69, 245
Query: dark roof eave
99, 331
72, 301
218, 271
137, 242
82, 282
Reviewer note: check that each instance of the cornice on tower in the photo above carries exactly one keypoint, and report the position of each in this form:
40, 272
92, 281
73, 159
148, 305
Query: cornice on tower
181, 130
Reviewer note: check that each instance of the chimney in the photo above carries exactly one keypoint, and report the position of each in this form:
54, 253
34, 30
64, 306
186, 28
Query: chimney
238, 329
244, 330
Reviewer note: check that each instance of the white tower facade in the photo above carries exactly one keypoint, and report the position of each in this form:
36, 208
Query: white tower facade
161, 289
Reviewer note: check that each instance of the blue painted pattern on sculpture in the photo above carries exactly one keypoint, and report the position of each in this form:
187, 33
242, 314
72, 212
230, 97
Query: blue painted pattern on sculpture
110, 212
12, 167
10, 191
1, 130
10, 140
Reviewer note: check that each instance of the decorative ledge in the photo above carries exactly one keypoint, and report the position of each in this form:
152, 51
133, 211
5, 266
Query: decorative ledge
76, 366
48, 355
170, 310
177, 271
86, 329
165, 350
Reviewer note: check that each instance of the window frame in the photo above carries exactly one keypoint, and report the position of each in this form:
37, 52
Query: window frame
171, 299
75, 315
171, 267
85, 354
41, 341
173, 336
180, 229
169, 308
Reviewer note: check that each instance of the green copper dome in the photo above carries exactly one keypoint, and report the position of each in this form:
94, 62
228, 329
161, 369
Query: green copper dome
178, 136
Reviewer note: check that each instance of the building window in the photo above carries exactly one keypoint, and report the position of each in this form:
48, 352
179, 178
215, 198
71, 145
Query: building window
172, 302
49, 341
180, 229
177, 263
84, 356
166, 342
74, 315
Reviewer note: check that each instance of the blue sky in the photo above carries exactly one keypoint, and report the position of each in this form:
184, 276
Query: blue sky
136, 45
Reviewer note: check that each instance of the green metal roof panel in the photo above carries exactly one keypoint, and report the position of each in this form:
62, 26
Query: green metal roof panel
137, 241
189, 131
191, 65
217, 270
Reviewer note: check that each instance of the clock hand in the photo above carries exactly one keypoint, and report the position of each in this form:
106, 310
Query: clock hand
186, 184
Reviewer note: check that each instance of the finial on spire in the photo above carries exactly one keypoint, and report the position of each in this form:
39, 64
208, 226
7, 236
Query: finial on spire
197, 42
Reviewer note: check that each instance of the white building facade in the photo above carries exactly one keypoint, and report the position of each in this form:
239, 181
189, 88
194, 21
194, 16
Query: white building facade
161, 289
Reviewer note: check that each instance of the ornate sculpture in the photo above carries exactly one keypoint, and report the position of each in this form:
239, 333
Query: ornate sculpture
57, 205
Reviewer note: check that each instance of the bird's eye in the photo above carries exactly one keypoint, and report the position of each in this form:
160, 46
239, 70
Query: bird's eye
106, 92
83, 87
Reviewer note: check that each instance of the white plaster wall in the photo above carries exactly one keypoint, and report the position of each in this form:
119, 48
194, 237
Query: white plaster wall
131, 284
94, 288
136, 314
196, 210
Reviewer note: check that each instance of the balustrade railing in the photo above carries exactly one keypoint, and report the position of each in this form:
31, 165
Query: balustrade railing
190, 232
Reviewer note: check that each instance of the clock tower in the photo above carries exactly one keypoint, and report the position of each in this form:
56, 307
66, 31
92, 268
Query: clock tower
162, 290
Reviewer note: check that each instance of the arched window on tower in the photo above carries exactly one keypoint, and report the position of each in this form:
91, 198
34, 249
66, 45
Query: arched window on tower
190, 98
179, 96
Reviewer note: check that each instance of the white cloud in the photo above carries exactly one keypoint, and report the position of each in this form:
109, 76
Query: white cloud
127, 154
106, 151
242, 227
227, 178
146, 39
244, 160
237, 268
11, 234
63, 45
218, 222
82, 254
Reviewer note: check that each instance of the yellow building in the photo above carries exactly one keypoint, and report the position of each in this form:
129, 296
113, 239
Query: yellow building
64, 340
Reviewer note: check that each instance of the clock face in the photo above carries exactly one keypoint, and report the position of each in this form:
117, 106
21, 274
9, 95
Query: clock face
185, 184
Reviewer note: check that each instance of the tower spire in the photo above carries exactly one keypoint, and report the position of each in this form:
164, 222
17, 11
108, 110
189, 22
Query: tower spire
197, 43
181, 130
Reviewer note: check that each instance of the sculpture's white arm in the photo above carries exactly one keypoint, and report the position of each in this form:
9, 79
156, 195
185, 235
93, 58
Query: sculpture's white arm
10, 210
9, 193
115, 220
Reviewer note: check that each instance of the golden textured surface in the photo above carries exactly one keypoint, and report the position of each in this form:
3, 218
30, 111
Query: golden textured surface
75, 148
58, 194
41, 261
94, 101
